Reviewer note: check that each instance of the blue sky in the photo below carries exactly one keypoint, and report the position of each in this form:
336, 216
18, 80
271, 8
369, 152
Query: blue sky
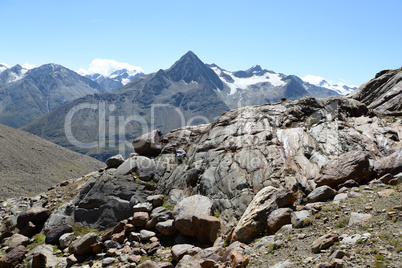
345, 41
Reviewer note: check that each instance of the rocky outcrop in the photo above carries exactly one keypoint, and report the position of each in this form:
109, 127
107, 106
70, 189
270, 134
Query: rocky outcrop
106, 200
383, 93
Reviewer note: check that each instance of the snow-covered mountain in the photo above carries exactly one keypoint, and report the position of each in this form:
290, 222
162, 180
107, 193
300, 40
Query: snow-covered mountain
111, 74
340, 88
257, 86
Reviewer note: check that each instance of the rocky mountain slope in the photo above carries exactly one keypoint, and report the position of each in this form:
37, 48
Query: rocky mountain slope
382, 93
188, 93
305, 183
28, 94
30, 165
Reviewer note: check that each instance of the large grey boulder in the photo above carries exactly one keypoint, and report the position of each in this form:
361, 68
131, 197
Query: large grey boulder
253, 221
149, 144
321, 194
353, 165
115, 161
102, 203
196, 205
61, 216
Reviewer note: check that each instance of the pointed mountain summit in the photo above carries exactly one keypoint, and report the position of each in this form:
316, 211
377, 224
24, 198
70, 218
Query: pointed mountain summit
184, 94
190, 68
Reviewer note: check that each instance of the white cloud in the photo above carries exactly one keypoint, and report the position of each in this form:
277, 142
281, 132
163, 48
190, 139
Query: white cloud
106, 67
312, 79
29, 66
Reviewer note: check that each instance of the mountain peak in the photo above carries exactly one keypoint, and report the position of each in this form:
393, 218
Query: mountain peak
190, 68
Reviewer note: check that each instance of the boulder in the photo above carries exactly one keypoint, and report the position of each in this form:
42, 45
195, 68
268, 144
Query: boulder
52, 237
254, 219
13, 258
115, 161
156, 200
206, 228
65, 240
51, 259
351, 165
149, 144
166, 227
140, 219
83, 245
17, 240
60, 216
178, 251
145, 235
39, 260
390, 164
196, 205
324, 242
299, 218
143, 207
36, 215
359, 218
321, 194
278, 218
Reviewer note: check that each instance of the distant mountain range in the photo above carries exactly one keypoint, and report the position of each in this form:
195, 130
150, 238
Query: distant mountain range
26, 94
190, 92
116, 79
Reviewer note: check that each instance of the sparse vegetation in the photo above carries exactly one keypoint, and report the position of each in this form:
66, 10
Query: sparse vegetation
38, 239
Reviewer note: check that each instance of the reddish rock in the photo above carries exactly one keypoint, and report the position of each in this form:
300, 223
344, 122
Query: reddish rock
278, 218
13, 258
351, 165
324, 242
82, 246
140, 219
206, 228
39, 260
119, 238
390, 164
35, 215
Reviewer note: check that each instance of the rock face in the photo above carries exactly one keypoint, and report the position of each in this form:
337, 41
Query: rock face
149, 144
253, 221
352, 165
383, 93
185, 210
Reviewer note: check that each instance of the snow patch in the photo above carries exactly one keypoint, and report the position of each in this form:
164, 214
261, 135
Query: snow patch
340, 88
243, 83
3, 67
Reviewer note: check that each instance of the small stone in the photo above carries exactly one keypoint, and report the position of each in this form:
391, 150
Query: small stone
324, 242
146, 235
108, 261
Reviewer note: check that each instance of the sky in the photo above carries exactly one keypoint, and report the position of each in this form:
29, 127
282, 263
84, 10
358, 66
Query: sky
343, 41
